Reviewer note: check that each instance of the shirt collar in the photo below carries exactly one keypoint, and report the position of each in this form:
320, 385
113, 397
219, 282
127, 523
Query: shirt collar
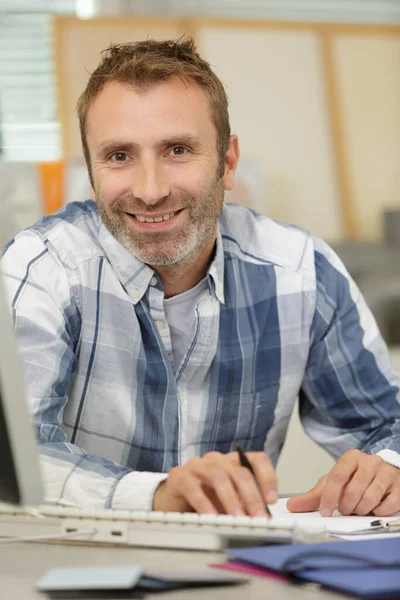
136, 276
216, 271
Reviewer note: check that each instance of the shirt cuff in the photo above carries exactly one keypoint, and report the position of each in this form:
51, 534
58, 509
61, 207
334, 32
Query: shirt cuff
390, 456
135, 491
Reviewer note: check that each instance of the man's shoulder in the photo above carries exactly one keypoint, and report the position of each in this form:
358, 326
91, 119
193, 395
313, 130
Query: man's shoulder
71, 233
254, 237
79, 218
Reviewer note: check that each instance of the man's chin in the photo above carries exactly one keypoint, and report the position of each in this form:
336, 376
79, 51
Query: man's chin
160, 261
163, 259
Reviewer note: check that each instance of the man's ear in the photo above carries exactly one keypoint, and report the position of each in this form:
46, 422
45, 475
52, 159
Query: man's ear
231, 161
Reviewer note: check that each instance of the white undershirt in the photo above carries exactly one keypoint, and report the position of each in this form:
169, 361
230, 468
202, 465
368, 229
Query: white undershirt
180, 313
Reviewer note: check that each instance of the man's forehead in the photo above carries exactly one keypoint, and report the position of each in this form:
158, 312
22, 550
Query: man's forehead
179, 107
173, 91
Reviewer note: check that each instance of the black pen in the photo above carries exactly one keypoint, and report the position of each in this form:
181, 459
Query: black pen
245, 463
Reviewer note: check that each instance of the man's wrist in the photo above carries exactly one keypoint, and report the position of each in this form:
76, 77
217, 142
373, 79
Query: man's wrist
157, 503
135, 491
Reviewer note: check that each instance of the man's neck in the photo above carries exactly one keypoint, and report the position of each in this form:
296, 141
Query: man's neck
184, 276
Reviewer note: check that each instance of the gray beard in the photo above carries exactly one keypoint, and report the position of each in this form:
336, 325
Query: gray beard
193, 234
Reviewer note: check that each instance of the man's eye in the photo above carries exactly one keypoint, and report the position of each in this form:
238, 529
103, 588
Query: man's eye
178, 151
119, 157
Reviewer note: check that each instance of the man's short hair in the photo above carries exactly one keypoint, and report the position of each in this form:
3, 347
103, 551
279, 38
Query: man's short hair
143, 64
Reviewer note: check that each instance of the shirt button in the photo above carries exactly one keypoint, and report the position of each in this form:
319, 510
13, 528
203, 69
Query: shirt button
153, 281
160, 324
135, 294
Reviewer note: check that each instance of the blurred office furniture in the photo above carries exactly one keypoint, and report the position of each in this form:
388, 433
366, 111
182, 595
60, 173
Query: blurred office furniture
76, 181
30, 190
20, 197
52, 183
375, 267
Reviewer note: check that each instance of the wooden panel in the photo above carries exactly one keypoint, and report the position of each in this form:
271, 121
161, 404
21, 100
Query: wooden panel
278, 106
78, 47
368, 74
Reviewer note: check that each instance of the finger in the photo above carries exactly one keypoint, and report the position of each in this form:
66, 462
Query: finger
389, 505
336, 481
377, 491
356, 488
249, 492
265, 475
220, 480
192, 491
309, 501
234, 486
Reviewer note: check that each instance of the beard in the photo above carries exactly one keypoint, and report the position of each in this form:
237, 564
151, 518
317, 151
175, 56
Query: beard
171, 247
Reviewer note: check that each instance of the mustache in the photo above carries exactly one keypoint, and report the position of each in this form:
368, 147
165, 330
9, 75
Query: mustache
130, 204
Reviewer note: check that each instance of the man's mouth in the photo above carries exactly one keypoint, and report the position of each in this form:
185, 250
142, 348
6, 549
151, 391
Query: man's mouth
157, 219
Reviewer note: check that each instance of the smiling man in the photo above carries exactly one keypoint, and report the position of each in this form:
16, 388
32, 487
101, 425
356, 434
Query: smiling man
159, 327
160, 196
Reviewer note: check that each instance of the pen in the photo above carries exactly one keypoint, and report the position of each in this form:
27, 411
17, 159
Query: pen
379, 526
245, 463
390, 524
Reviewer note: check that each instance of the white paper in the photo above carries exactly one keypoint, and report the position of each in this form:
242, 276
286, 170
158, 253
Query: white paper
335, 523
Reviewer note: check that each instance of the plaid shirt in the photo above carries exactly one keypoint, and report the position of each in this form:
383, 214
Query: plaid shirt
279, 318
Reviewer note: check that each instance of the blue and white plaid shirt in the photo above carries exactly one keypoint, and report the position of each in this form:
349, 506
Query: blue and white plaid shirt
279, 317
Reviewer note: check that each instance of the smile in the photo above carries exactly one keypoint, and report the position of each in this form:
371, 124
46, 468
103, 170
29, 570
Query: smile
155, 219
158, 222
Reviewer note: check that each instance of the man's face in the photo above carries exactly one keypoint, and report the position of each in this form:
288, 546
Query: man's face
155, 169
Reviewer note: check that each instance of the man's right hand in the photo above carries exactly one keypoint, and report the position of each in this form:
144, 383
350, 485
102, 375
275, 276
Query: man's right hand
217, 483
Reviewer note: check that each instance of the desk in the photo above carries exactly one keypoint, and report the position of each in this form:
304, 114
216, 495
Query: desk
22, 564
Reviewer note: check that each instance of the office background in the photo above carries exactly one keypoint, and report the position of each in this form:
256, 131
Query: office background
314, 90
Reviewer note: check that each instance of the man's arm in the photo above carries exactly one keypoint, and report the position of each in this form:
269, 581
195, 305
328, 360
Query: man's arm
349, 402
45, 303
47, 324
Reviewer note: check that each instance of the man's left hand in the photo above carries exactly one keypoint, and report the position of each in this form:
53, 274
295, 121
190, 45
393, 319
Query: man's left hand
358, 484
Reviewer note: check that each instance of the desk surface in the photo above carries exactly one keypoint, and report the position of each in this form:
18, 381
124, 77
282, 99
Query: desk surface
22, 564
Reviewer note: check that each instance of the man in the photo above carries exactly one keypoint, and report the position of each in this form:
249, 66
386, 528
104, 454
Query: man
159, 328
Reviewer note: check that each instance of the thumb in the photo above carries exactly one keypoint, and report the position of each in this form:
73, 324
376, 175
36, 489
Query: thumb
308, 501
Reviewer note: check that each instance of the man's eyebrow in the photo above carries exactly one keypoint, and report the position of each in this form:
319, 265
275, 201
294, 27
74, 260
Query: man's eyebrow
113, 145
108, 146
185, 139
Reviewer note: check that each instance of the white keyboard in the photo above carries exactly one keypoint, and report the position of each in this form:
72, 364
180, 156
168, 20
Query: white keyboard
148, 529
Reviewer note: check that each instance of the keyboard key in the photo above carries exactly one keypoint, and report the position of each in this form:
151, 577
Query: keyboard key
191, 518
208, 519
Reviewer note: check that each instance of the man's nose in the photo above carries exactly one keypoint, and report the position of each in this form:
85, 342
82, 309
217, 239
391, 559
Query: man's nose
149, 183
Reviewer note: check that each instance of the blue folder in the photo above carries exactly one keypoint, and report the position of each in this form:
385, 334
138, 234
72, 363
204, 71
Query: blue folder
366, 568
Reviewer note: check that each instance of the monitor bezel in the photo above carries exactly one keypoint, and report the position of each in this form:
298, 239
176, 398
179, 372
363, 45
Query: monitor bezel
20, 473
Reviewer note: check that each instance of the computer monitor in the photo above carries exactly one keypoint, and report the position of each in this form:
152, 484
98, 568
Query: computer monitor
20, 478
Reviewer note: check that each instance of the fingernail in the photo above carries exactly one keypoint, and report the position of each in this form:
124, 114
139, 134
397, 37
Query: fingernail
210, 511
238, 513
325, 512
271, 497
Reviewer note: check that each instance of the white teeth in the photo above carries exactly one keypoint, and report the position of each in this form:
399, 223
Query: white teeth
166, 217
155, 219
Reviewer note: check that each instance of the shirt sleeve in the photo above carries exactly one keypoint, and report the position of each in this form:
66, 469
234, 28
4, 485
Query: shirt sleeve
46, 316
350, 393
